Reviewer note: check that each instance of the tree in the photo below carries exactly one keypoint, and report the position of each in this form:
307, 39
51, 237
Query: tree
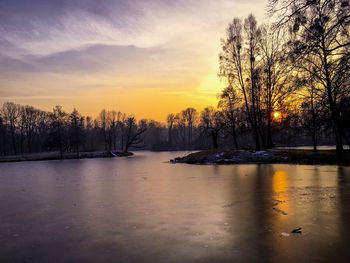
320, 46
212, 123
76, 130
11, 113
276, 76
345, 118
89, 127
58, 127
180, 124
29, 119
239, 66
170, 123
3, 136
134, 133
312, 113
229, 103
189, 116
102, 121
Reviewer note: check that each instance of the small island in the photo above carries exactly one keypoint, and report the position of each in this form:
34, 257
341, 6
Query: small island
292, 156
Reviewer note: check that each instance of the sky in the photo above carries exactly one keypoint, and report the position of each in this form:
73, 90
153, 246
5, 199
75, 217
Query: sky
143, 57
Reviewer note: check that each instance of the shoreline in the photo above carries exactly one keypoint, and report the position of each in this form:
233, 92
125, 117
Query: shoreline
273, 156
48, 156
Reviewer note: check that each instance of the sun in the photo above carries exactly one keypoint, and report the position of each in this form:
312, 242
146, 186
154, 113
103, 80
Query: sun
276, 115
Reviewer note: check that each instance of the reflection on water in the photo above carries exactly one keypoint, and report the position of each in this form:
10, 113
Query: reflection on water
280, 184
143, 209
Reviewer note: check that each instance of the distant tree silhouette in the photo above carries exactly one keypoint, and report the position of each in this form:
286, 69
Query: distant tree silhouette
11, 113
59, 128
189, 115
211, 121
229, 103
134, 133
76, 130
171, 118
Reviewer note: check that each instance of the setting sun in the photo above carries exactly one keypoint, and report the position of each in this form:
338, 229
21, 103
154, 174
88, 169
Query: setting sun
276, 115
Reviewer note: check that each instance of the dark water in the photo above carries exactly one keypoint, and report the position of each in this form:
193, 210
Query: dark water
142, 209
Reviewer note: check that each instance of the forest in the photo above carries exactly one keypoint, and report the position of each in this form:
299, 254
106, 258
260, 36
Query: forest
287, 83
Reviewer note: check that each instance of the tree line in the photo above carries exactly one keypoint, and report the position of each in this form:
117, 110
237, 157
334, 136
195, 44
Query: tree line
25, 129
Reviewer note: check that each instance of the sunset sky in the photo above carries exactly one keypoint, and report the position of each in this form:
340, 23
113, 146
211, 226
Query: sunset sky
146, 58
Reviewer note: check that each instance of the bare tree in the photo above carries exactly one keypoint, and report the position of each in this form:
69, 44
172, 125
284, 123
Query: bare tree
11, 113
229, 103
345, 106
134, 133
102, 121
3, 136
76, 130
180, 124
190, 117
312, 113
238, 64
89, 127
170, 123
212, 124
58, 126
276, 75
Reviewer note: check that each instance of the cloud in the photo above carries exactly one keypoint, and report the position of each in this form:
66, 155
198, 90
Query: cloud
65, 48
45, 27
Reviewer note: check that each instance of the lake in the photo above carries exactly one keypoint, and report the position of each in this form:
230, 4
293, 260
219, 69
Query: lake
144, 209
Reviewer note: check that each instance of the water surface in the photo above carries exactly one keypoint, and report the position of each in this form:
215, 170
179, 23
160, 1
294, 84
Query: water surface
143, 209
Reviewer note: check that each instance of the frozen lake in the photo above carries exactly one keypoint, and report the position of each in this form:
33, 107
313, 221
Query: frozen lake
143, 209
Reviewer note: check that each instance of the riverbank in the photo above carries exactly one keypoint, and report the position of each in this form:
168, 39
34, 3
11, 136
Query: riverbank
292, 156
56, 156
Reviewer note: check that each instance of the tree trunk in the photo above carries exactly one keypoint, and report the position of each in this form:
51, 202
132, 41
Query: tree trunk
234, 135
257, 141
214, 137
269, 130
332, 104
13, 140
338, 140
170, 137
29, 143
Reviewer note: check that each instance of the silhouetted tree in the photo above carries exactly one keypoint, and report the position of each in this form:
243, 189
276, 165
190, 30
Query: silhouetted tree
76, 130
3, 136
102, 121
58, 128
170, 123
89, 128
229, 103
276, 76
312, 114
11, 113
211, 123
239, 66
189, 115
134, 133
